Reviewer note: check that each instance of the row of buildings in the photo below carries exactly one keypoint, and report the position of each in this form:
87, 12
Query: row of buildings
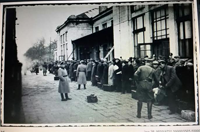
127, 31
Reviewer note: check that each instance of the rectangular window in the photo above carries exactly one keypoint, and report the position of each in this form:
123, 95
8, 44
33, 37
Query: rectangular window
140, 49
61, 50
135, 8
184, 23
96, 29
160, 26
66, 37
104, 25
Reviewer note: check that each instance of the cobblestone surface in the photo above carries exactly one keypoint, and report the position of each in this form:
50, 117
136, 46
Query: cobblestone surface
41, 103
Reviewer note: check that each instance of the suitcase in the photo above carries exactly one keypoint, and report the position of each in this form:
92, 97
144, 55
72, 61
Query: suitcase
99, 85
188, 115
134, 94
92, 99
107, 87
56, 78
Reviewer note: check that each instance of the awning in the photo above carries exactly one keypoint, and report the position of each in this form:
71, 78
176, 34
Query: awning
104, 35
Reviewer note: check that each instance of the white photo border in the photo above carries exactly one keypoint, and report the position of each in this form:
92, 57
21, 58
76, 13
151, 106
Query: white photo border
196, 54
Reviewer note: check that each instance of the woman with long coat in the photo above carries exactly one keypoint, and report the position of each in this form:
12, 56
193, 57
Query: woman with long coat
110, 74
71, 72
81, 75
104, 79
63, 87
143, 78
93, 73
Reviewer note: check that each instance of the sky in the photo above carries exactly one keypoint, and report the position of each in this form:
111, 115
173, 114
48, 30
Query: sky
34, 23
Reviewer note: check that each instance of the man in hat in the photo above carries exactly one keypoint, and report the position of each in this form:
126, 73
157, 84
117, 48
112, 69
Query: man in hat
127, 76
63, 87
159, 92
143, 78
170, 83
81, 75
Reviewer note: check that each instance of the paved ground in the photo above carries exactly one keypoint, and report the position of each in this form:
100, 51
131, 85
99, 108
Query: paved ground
42, 104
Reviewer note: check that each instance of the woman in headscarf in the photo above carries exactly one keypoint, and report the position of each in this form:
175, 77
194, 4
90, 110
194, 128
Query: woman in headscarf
81, 75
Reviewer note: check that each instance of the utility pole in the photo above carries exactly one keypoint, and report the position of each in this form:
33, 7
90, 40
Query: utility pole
50, 50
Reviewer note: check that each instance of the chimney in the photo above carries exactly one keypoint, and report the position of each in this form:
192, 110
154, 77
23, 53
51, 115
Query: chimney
102, 8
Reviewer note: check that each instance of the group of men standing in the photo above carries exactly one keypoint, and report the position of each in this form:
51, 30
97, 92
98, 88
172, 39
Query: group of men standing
153, 79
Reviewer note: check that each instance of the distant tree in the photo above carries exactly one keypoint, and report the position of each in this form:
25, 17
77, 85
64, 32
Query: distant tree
37, 51
50, 50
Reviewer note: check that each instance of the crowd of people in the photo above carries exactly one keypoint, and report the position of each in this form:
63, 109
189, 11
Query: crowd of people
156, 80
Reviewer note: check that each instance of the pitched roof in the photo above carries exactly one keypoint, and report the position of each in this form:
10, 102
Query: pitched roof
85, 15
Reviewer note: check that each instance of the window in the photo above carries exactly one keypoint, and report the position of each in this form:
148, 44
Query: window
64, 49
140, 48
145, 50
61, 39
160, 24
135, 8
104, 25
61, 50
184, 24
66, 37
96, 29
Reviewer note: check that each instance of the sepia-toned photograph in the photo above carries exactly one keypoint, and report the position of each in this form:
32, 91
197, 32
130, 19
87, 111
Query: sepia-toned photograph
109, 63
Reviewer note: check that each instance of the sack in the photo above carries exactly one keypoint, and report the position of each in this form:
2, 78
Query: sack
92, 99
188, 115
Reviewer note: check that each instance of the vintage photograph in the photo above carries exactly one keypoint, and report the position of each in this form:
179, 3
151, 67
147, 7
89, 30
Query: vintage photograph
99, 63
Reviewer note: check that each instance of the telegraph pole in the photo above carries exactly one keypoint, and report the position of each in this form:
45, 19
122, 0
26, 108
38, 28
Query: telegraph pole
50, 50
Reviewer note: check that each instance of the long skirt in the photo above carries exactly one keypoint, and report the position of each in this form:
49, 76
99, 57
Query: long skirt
63, 86
81, 78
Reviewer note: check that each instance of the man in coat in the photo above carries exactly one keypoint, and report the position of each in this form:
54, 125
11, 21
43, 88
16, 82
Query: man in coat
63, 87
143, 78
127, 74
89, 69
118, 75
81, 75
158, 89
171, 83
104, 79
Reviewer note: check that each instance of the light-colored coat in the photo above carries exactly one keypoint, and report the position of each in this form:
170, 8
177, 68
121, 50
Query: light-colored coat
110, 74
63, 86
81, 74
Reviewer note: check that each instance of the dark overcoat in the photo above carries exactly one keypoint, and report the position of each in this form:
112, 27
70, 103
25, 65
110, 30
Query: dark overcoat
104, 79
172, 81
93, 74
143, 77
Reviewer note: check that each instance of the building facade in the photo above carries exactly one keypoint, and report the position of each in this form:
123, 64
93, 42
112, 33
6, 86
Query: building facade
73, 28
132, 31
97, 44
153, 29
